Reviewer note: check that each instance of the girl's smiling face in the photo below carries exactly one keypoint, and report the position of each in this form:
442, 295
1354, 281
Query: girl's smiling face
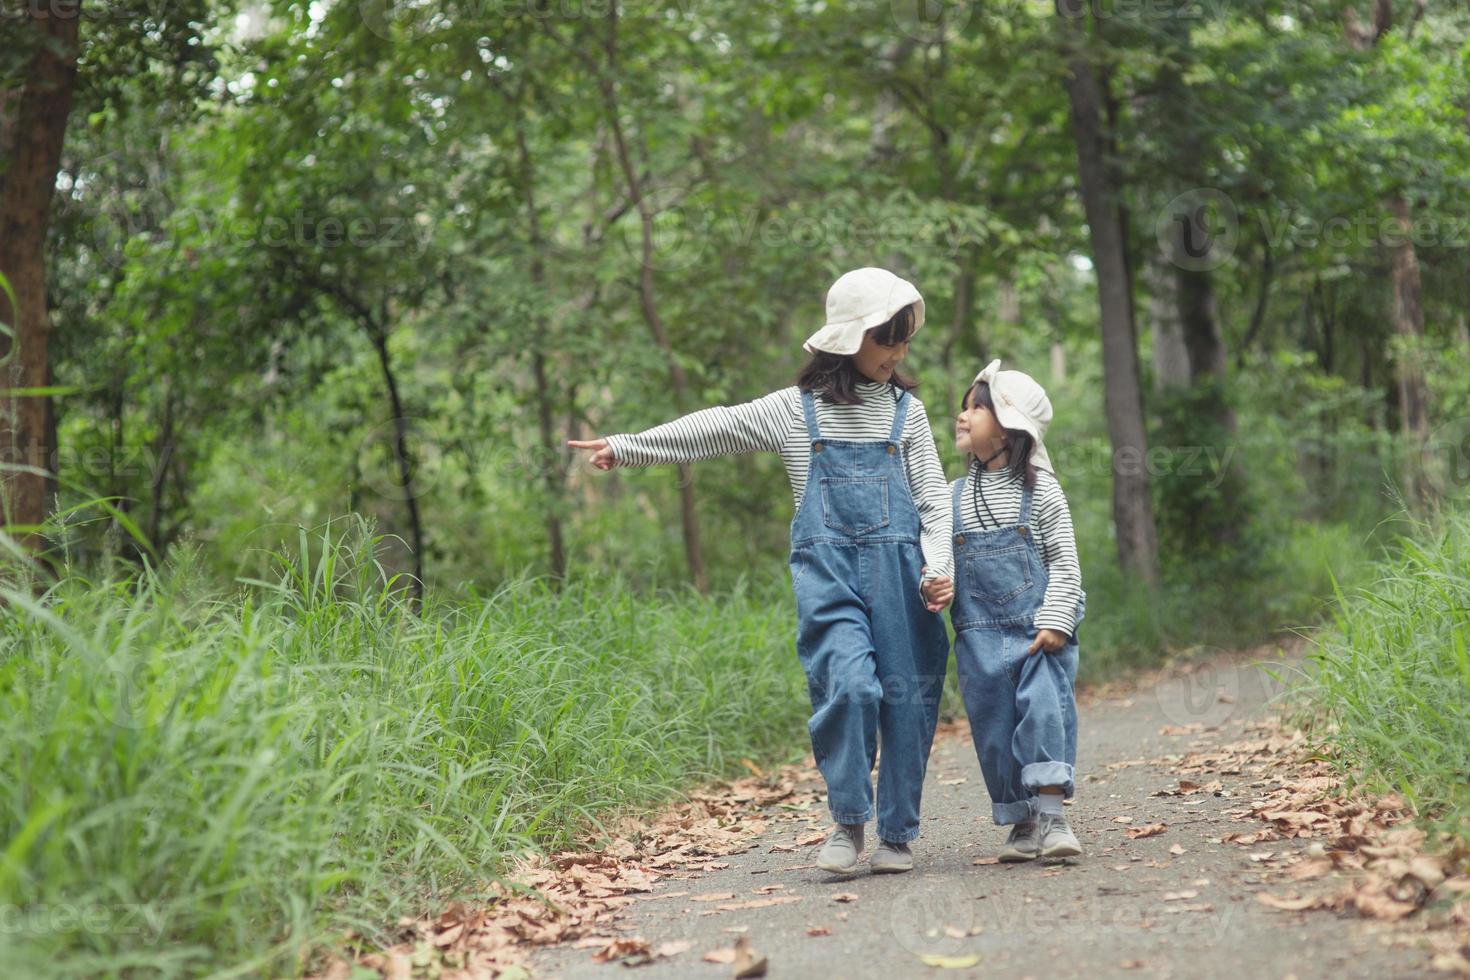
876, 361
976, 430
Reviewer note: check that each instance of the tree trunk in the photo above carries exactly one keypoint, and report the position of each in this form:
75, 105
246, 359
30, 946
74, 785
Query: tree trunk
163, 447
551, 451
404, 462
1408, 326
1058, 362
35, 137
1408, 313
1133, 514
1263, 297
693, 552
1171, 359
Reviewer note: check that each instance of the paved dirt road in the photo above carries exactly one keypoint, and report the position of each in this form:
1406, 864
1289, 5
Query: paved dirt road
1127, 907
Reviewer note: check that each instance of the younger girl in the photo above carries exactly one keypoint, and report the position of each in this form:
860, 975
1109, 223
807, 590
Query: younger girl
1018, 598
872, 510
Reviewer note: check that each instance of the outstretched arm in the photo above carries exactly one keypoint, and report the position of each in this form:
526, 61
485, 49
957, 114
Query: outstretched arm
602, 454
726, 430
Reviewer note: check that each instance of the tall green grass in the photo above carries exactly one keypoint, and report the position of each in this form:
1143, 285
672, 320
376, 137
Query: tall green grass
196, 781
1393, 675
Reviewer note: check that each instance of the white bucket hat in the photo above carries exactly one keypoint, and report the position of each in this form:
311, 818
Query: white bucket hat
859, 301
1020, 403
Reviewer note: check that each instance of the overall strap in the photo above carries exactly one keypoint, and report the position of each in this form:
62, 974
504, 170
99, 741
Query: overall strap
900, 416
1025, 504
957, 497
809, 410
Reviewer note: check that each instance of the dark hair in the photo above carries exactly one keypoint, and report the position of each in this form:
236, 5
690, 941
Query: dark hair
1020, 444
834, 378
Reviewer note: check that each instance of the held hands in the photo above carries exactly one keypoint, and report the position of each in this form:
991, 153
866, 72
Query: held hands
1049, 640
602, 454
937, 593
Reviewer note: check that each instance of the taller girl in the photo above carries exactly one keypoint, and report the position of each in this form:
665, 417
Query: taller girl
871, 557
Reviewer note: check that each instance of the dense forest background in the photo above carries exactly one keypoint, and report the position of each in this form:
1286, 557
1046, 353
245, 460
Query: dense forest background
271, 267
304, 260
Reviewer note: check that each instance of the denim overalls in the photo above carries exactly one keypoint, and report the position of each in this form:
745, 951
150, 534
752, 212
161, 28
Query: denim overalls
874, 656
1023, 716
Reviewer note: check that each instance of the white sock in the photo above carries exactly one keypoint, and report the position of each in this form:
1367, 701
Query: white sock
1049, 803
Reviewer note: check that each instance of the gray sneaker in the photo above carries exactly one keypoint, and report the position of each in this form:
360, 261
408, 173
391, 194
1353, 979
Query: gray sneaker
1023, 844
840, 854
1056, 837
892, 859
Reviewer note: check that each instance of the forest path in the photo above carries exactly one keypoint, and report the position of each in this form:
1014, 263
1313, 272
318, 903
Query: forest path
1181, 902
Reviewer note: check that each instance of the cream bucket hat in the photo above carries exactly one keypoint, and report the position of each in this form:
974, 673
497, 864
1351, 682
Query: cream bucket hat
859, 301
1020, 403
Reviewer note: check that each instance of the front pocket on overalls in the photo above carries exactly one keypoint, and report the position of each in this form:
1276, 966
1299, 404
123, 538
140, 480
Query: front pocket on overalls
855, 505
998, 577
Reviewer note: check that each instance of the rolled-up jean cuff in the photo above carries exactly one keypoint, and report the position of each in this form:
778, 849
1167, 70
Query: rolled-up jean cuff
1008, 813
1039, 774
899, 838
855, 817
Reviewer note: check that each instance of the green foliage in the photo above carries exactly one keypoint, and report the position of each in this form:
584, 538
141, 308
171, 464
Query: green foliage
1393, 675
204, 780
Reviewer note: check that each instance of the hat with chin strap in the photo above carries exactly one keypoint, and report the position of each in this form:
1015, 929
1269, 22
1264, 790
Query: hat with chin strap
1020, 403
859, 301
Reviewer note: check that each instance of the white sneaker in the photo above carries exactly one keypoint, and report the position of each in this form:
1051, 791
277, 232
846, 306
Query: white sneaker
840, 854
891, 859
1023, 843
1056, 837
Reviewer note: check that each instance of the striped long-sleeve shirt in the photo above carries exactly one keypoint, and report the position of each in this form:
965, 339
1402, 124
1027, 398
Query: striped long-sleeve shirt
774, 423
1051, 529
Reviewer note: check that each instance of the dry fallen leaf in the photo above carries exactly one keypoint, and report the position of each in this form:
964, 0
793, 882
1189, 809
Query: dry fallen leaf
748, 963
1180, 896
950, 962
725, 954
712, 897
1147, 830
845, 897
818, 931
759, 903
619, 948
1287, 903
1176, 849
